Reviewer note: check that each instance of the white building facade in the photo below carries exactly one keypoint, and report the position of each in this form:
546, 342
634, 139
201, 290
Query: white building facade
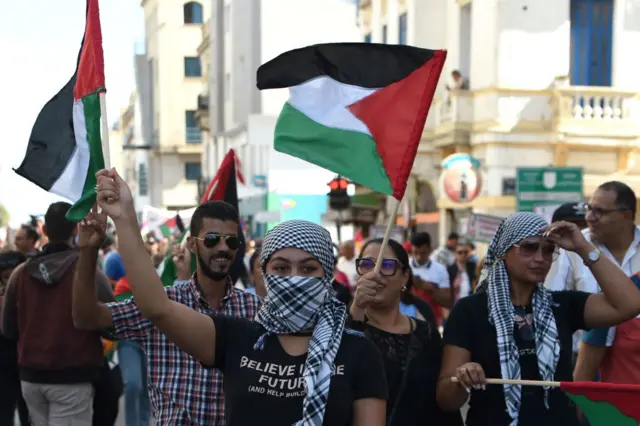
169, 76
542, 91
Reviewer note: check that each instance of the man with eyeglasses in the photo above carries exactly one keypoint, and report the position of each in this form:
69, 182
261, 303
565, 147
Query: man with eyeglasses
182, 392
610, 218
574, 213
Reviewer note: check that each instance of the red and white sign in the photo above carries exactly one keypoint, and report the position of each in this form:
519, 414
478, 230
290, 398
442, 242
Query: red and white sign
483, 227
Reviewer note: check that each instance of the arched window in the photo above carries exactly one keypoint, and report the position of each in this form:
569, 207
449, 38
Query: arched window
192, 13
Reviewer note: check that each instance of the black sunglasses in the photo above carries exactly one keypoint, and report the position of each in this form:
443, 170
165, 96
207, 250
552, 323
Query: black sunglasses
387, 269
212, 239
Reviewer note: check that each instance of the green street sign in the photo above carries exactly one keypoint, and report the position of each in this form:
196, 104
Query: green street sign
540, 186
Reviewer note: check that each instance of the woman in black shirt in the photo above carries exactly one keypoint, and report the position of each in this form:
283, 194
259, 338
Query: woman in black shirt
295, 364
411, 348
513, 328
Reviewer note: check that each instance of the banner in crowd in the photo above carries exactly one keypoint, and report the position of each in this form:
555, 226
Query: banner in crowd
482, 227
397, 233
162, 223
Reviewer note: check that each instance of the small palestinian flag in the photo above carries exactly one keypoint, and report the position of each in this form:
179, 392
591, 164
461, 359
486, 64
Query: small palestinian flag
605, 404
172, 226
356, 109
65, 148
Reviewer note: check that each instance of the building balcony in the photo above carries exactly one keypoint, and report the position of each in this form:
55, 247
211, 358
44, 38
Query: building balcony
203, 47
202, 113
186, 149
596, 112
577, 115
450, 119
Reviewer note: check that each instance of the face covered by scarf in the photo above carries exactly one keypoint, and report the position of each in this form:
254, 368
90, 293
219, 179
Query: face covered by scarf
294, 304
495, 280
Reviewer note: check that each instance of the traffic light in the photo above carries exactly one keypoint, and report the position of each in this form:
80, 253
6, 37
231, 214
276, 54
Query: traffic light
338, 197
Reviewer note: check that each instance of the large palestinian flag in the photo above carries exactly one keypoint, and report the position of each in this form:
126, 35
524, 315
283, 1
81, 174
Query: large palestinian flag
606, 404
357, 109
65, 148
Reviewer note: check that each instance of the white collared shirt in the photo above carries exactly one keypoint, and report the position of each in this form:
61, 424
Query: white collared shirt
431, 272
569, 272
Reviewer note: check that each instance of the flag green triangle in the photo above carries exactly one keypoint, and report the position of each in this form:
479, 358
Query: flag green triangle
170, 270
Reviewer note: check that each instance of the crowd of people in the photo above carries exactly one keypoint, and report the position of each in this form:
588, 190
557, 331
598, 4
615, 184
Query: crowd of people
314, 333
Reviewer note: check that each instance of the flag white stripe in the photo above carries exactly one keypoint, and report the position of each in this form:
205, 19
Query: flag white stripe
70, 184
325, 101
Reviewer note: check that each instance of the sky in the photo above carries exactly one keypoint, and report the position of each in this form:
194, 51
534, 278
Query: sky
40, 41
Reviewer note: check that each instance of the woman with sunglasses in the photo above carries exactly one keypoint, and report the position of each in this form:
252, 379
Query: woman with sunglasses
516, 329
295, 363
411, 348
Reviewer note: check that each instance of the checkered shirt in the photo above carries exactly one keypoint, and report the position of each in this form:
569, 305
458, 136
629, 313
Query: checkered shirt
182, 392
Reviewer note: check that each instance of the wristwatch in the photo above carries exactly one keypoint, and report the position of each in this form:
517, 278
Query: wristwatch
592, 257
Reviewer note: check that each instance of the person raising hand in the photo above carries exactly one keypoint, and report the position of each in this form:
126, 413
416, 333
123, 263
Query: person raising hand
214, 242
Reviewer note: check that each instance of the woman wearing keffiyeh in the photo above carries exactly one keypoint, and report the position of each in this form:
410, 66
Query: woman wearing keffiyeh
295, 364
513, 328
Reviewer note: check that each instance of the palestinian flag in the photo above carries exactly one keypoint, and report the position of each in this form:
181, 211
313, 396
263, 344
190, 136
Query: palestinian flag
223, 187
356, 109
606, 404
65, 148
171, 226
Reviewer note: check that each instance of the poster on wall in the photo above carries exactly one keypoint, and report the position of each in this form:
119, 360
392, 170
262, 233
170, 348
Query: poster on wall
460, 179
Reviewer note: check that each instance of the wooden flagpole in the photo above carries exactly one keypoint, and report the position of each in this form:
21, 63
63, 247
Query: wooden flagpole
387, 233
517, 382
106, 151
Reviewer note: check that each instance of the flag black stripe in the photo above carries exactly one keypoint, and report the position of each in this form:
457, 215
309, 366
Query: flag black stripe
53, 139
362, 64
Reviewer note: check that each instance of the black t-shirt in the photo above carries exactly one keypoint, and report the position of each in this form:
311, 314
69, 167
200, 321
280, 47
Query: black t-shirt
266, 387
412, 364
468, 327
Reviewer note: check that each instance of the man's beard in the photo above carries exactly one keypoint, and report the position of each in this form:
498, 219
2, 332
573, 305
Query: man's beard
210, 273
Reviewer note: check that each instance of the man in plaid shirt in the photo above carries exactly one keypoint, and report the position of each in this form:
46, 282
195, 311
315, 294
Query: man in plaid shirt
182, 392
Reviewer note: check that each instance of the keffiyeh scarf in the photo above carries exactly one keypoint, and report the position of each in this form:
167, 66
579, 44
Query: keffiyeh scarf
495, 280
295, 304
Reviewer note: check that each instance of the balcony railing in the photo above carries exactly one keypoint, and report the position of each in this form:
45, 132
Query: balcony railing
600, 110
457, 107
202, 113
193, 135
203, 102
603, 112
450, 119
